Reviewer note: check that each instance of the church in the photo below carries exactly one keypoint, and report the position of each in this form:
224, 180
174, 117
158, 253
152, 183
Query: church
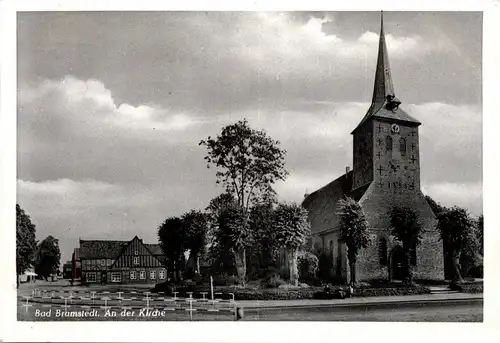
385, 173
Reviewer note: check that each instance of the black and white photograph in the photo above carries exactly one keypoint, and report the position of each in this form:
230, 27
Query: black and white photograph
249, 166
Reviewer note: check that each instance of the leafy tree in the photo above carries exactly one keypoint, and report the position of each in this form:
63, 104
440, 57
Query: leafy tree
47, 257
248, 162
406, 228
26, 244
480, 233
195, 225
353, 231
458, 229
172, 238
291, 230
219, 249
264, 253
232, 231
436, 207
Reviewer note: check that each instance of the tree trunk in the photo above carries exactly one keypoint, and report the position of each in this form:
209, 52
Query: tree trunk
407, 280
197, 264
457, 276
352, 266
293, 268
241, 266
18, 280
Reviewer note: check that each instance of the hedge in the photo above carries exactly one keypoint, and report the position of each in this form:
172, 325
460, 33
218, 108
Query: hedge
388, 291
476, 287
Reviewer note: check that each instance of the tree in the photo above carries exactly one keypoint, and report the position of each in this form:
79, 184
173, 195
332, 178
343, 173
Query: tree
457, 228
232, 231
435, 207
264, 253
291, 230
172, 238
219, 249
47, 257
353, 231
480, 233
26, 244
406, 228
195, 224
248, 162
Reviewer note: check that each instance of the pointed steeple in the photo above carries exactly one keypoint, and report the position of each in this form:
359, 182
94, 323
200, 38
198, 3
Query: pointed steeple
384, 88
385, 104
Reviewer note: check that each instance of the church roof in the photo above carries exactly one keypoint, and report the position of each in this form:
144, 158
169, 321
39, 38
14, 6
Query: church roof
322, 204
385, 104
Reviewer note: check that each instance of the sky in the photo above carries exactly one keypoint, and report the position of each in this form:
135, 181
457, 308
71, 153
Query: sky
112, 106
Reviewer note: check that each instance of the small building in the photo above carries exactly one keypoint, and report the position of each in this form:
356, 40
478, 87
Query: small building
121, 262
76, 264
28, 276
68, 270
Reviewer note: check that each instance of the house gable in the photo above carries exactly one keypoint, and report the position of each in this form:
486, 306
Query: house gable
136, 254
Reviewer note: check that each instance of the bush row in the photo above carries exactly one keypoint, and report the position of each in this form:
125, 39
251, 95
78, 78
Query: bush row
476, 287
387, 291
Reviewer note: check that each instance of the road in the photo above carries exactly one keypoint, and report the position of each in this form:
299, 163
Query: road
445, 311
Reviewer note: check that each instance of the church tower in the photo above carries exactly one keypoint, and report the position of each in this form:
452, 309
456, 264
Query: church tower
386, 147
386, 173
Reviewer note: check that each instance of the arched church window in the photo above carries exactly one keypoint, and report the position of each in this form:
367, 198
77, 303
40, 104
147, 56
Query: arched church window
382, 251
388, 143
402, 146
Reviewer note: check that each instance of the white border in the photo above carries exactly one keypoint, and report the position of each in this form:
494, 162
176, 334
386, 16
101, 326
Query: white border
11, 330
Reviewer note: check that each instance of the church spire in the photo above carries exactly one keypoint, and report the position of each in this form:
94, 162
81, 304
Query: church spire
384, 102
384, 88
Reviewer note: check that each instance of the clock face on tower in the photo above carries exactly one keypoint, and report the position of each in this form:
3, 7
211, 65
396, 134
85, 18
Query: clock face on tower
395, 128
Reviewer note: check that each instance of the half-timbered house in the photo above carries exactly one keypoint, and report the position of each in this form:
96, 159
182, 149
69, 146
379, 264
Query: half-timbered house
115, 262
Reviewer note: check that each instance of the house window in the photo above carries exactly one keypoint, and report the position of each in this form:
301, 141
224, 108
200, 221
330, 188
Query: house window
161, 274
91, 277
136, 252
132, 275
402, 146
136, 261
103, 263
152, 274
109, 262
142, 275
382, 251
388, 143
116, 277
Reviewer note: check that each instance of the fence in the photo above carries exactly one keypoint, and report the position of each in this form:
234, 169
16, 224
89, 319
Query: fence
131, 300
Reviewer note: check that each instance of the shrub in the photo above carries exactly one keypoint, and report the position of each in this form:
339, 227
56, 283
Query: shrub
388, 291
231, 280
198, 279
474, 287
308, 265
273, 282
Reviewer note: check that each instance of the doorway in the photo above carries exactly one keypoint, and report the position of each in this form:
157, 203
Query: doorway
397, 263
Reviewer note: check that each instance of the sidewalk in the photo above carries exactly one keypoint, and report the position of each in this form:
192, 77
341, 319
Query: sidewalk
249, 304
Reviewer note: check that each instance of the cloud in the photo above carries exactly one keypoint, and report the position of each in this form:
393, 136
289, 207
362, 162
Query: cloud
467, 195
90, 102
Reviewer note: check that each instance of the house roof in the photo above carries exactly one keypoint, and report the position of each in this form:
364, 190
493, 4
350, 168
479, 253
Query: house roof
322, 204
155, 249
101, 248
110, 249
